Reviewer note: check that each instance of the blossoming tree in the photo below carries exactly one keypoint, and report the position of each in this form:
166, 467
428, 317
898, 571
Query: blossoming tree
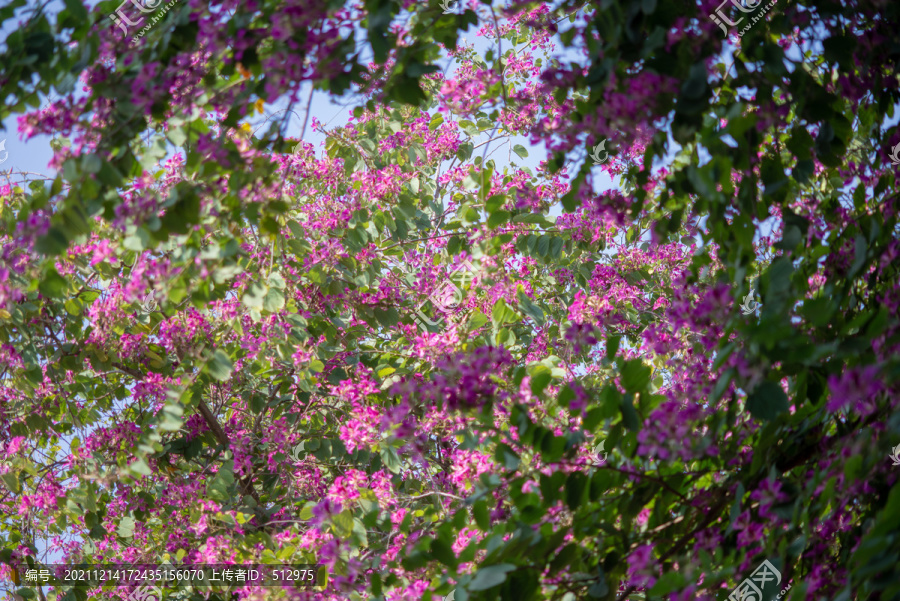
426, 366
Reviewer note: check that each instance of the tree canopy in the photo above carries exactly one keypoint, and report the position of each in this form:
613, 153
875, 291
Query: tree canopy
411, 358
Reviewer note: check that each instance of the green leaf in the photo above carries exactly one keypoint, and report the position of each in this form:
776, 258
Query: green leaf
307, 512
853, 467
91, 163
417, 69
671, 581
507, 457
530, 309
138, 241
490, 576
390, 459
180, 217
53, 243
77, 10
520, 150
482, 515
126, 527
464, 152
257, 402
501, 313
387, 317
859, 255
552, 447
767, 402
803, 170
274, 300
498, 218
576, 485
556, 247
435, 122
540, 380
696, 85
818, 310
443, 552
800, 143
219, 488
477, 319
601, 482
612, 346
343, 523
177, 136
53, 285
839, 49
219, 366
494, 202
629, 415
406, 89
635, 375
170, 422
11, 479
888, 519
140, 467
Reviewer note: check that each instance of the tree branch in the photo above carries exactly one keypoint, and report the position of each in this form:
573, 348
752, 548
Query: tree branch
211, 421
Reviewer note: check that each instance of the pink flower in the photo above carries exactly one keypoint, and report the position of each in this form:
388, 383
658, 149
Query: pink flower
14, 445
103, 252
643, 516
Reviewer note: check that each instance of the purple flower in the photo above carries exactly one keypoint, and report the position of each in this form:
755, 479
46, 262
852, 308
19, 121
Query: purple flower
463, 379
324, 510
857, 388
580, 336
